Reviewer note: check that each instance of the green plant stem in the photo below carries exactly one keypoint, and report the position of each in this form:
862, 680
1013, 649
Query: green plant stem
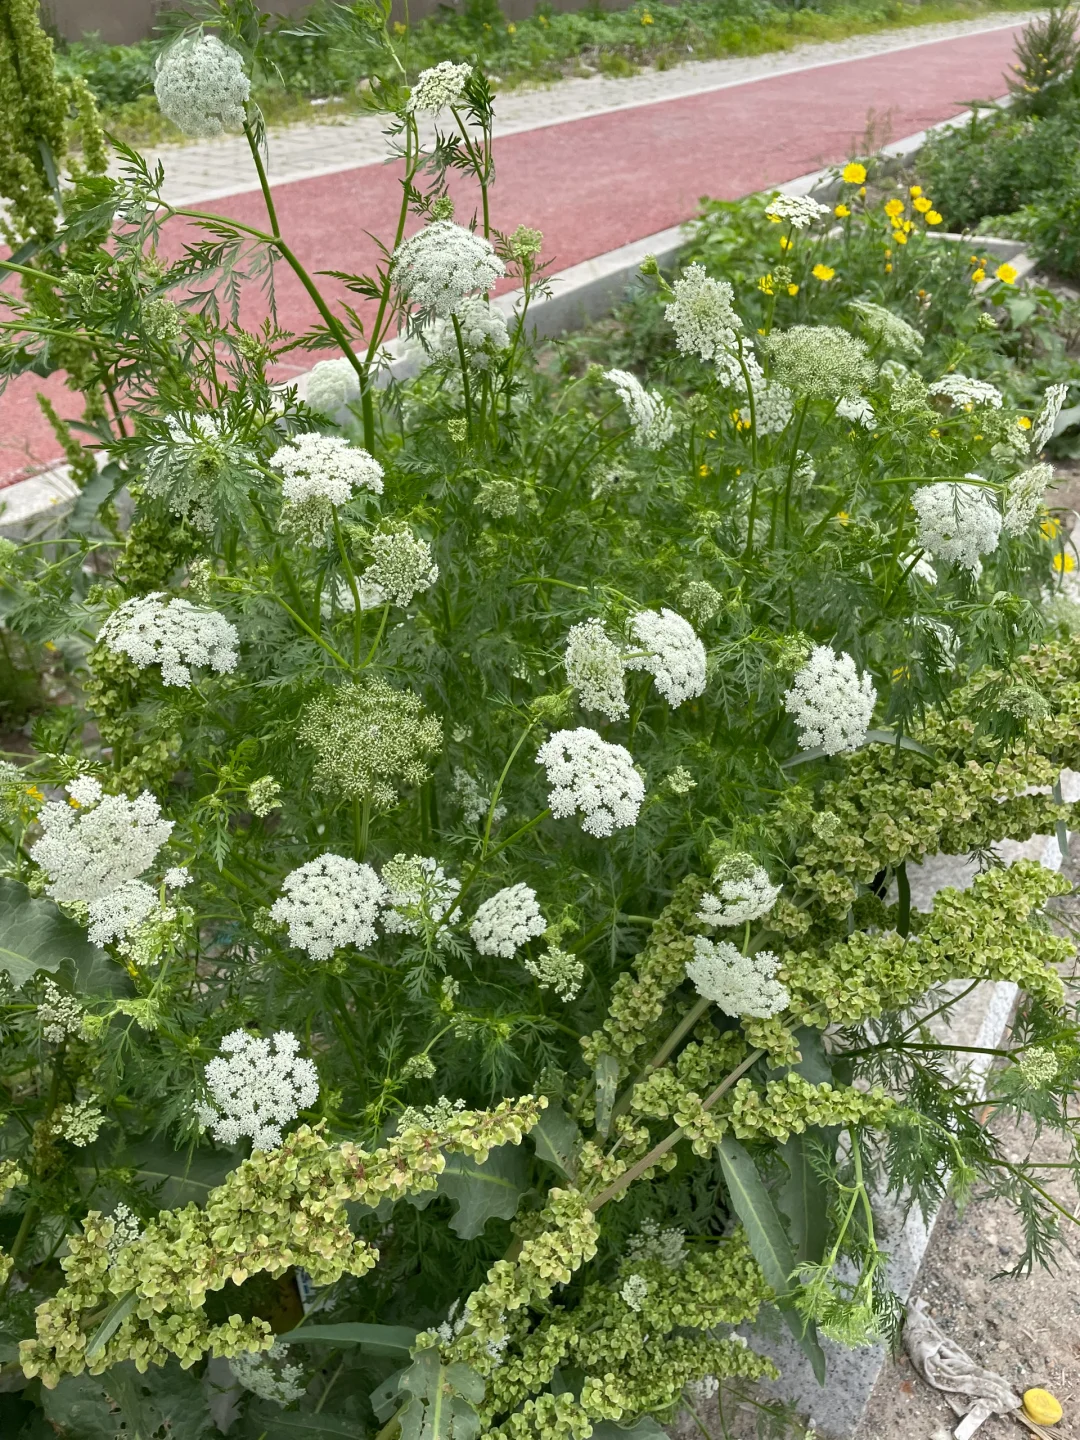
366, 401
32, 1211
792, 463
264, 183
358, 614
627, 1178
309, 631
464, 377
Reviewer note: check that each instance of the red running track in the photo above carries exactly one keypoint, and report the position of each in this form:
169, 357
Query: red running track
595, 183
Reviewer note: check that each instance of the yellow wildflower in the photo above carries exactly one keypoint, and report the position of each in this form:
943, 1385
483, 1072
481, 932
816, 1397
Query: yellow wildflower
793, 289
785, 242
978, 275
915, 191
703, 470
1024, 423
1064, 563
765, 285
853, 173
511, 29
1050, 526
399, 28
888, 267
823, 272
936, 433
34, 793
922, 204
901, 673
646, 19
772, 219
933, 217
894, 207
862, 191
899, 237
1006, 274
843, 517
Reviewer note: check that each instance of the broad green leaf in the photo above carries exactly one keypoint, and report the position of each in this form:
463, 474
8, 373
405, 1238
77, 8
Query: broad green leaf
267, 1421
441, 1400
35, 936
607, 1077
385, 1398
378, 1339
174, 1177
769, 1242
873, 737
79, 1409
804, 1201
556, 1139
483, 1191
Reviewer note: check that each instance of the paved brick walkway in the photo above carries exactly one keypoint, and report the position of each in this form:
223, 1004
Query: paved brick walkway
598, 181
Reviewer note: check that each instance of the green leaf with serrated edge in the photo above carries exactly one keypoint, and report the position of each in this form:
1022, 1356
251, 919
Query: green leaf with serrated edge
379, 1339
556, 1139
803, 1198
34, 936
441, 1400
386, 1396
768, 1240
483, 1192
607, 1077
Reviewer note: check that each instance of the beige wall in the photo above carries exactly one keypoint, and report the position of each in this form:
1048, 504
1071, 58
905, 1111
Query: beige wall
119, 21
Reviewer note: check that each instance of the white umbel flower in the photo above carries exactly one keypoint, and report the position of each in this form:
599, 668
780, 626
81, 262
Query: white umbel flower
439, 266
962, 390
174, 634
270, 1374
325, 467
595, 668
484, 333
798, 210
739, 984
510, 919
419, 895
1042, 432
1024, 497
201, 86
94, 856
586, 773
676, 657
741, 891
831, 702
256, 1086
328, 903
957, 522
888, 329
436, 89
558, 970
331, 385
650, 417
858, 410
702, 315
401, 566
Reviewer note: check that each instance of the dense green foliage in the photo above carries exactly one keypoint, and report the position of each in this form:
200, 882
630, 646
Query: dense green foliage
537, 1176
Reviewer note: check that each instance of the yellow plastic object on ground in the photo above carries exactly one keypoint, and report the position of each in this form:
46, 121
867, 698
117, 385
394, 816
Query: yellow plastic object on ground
1042, 1407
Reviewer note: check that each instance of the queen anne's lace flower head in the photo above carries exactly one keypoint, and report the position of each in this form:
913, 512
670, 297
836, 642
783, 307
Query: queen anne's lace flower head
830, 702
1024, 498
484, 334
964, 391
419, 895
666, 1247
60, 1016
739, 984
741, 891
510, 919
174, 634
586, 773
1042, 432
887, 329
368, 738
126, 1230
798, 210
595, 668
701, 314
557, 970
436, 89
701, 600
201, 86
319, 472
331, 385
442, 264
94, 855
957, 522
328, 903
270, 1374
466, 792
820, 361
401, 565
634, 1292
858, 410
256, 1086
675, 658
652, 421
